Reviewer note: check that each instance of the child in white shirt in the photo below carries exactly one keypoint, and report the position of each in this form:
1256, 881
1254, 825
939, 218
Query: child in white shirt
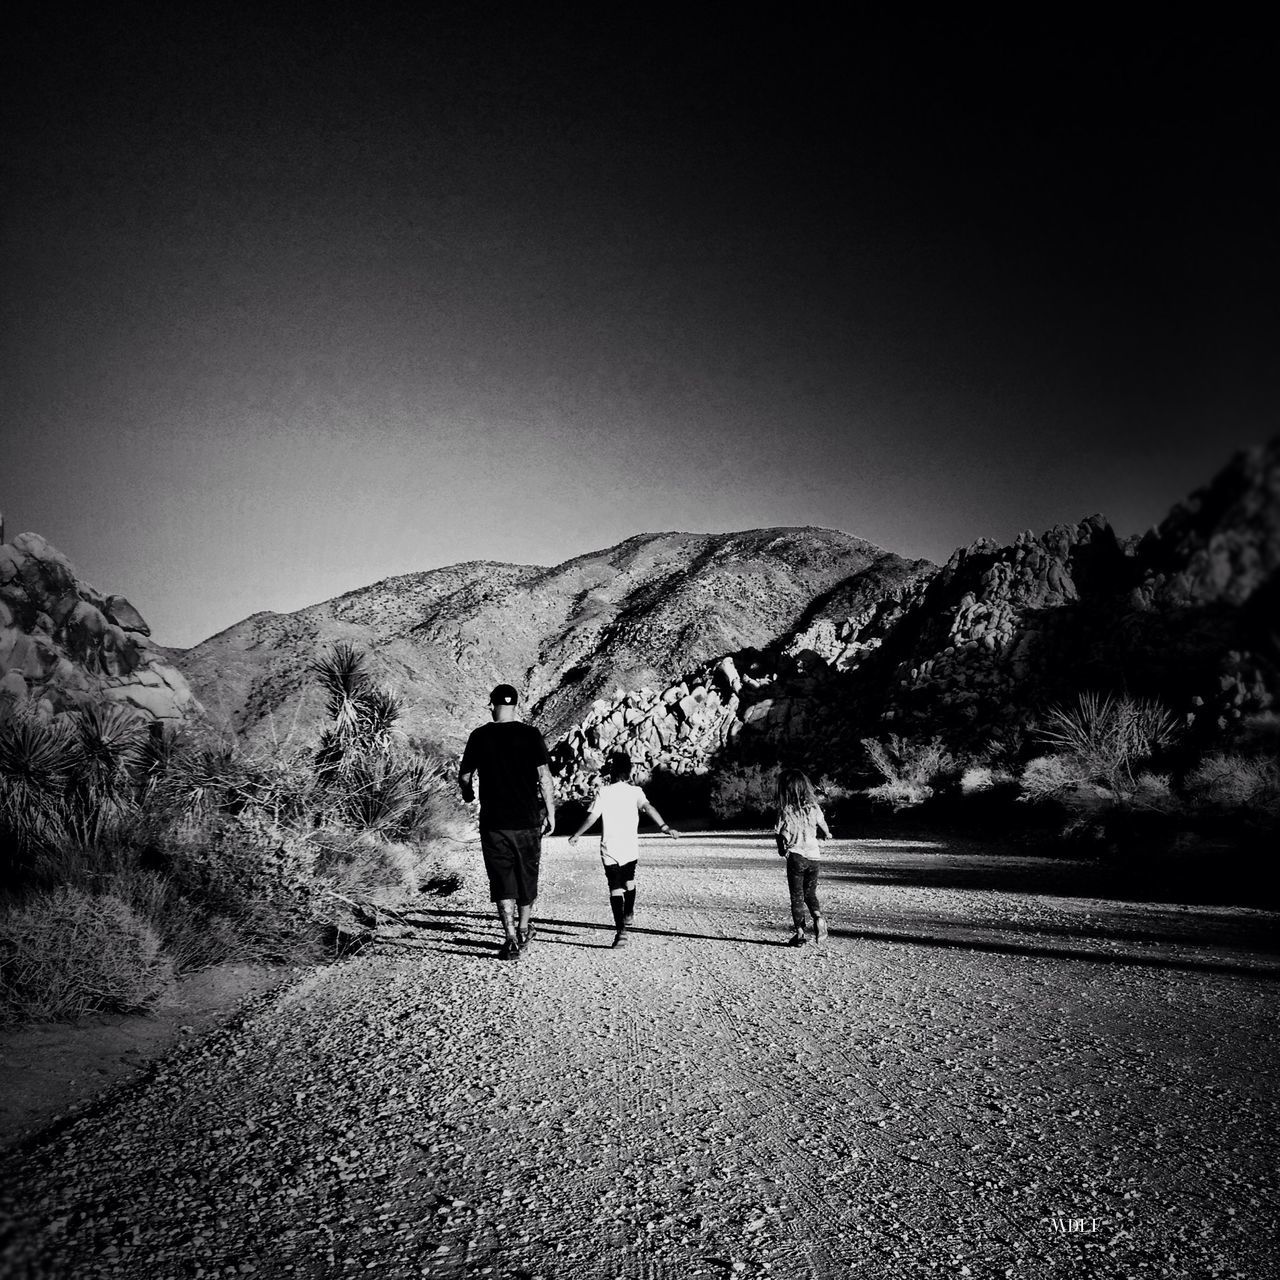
619, 804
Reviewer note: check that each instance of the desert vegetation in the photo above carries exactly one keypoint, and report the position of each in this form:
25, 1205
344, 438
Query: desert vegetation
135, 852
1107, 775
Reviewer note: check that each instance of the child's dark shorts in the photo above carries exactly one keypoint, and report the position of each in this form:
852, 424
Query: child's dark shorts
512, 859
619, 876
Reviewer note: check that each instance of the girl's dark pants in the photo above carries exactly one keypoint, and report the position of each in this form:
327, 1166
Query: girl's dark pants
802, 880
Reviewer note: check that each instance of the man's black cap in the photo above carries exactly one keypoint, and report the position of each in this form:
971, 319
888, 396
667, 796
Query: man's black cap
503, 695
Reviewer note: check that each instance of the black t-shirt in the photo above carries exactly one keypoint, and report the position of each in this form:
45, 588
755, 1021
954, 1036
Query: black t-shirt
506, 754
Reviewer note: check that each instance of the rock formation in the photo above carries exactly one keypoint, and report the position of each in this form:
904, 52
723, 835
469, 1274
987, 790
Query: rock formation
976, 651
64, 643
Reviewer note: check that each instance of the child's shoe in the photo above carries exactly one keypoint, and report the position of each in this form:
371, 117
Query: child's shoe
797, 939
620, 939
819, 928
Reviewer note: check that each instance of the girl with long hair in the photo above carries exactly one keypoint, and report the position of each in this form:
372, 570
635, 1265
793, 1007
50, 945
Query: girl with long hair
800, 824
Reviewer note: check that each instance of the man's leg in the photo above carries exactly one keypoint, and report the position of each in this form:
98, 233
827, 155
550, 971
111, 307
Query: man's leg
528, 846
507, 916
496, 848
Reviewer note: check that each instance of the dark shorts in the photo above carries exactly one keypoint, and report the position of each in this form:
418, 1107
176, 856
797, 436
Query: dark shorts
512, 858
619, 876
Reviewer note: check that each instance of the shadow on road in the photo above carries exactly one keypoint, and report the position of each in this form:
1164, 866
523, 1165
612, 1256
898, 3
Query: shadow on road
566, 933
1088, 955
555, 932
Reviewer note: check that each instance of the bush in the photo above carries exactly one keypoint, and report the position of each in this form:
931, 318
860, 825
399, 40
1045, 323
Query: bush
1234, 784
1054, 778
256, 877
366, 867
36, 759
67, 953
743, 793
193, 936
1109, 738
980, 779
912, 771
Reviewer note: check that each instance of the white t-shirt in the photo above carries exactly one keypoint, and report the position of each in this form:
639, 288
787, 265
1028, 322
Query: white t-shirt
619, 805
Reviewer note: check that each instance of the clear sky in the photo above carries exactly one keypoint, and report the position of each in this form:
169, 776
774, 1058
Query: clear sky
289, 309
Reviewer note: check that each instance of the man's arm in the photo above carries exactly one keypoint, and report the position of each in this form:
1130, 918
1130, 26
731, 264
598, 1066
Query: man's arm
467, 771
548, 799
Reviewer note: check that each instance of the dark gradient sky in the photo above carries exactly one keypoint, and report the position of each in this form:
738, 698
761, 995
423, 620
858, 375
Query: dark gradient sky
288, 309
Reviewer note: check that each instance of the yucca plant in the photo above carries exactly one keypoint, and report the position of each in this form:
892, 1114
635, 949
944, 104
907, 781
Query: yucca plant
379, 794
37, 760
365, 716
108, 754
1109, 737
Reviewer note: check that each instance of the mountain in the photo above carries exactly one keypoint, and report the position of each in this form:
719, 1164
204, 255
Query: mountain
64, 643
976, 651
632, 615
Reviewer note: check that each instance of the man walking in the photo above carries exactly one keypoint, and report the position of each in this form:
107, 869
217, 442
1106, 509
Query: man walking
511, 760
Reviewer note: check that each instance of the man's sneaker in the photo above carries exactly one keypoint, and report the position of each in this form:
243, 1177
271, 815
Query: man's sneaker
510, 950
525, 936
819, 928
797, 939
620, 938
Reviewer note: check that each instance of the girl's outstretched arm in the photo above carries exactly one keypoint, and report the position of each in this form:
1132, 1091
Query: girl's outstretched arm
822, 823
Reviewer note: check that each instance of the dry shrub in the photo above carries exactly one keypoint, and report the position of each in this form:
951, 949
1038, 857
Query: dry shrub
1154, 793
367, 868
193, 936
900, 794
67, 953
981, 778
257, 877
743, 793
1054, 778
911, 770
1236, 784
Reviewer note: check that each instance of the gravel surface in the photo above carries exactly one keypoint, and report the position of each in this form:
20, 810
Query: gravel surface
975, 1075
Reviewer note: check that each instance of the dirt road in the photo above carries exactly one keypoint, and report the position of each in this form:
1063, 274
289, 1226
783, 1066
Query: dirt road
974, 1076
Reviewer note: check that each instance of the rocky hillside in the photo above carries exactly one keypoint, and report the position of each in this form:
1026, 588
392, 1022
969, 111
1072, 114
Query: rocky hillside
636, 614
976, 651
64, 643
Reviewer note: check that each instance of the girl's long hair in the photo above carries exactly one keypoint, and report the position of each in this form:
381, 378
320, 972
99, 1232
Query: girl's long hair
795, 792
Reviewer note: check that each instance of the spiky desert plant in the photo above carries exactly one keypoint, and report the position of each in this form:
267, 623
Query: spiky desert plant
108, 744
1109, 737
205, 779
364, 715
37, 758
378, 794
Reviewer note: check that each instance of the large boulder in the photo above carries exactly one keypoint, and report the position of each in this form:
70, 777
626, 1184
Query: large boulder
63, 643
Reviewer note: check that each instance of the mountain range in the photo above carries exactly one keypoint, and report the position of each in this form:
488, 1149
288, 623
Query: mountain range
634, 614
682, 647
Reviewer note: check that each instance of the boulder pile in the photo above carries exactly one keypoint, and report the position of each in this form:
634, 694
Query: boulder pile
64, 643
976, 651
